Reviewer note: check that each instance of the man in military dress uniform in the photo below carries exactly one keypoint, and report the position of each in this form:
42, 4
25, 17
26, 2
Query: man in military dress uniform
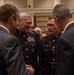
47, 54
27, 40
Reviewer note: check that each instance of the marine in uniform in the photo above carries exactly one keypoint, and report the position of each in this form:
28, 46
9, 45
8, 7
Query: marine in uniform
47, 52
27, 40
28, 47
47, 55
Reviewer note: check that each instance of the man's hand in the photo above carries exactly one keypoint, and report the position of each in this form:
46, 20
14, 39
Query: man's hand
30, 68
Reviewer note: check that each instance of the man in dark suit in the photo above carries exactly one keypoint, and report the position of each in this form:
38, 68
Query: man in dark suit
11, 57
65, 47
47, 52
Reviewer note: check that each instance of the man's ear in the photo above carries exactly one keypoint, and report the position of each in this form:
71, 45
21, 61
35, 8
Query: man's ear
57, 19
12, 19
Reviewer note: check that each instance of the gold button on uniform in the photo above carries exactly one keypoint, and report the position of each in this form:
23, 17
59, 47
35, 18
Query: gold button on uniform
45, 49
25, 42
33, 45
53, 59
53, 40
23, 35
56, 36
33, 50
53, 49
26, 49
53, 46
27, 56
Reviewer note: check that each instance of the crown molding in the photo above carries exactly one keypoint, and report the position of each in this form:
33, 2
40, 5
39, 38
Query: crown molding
36, 10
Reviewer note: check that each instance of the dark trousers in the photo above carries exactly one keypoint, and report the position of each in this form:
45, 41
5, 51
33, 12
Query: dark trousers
46, 70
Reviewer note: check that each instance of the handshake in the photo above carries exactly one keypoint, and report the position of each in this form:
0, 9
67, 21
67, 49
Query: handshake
29, 67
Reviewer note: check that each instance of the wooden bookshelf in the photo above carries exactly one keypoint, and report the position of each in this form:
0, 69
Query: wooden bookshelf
40, 21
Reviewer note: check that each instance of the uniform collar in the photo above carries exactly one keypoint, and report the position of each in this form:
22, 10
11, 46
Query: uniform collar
56, 35
20, 32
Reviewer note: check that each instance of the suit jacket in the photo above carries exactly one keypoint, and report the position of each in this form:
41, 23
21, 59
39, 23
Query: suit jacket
11, 57
65, 52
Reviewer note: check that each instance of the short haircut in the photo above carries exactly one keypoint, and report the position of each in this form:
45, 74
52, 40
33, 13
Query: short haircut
24, 15
50, 17
62, 11
6, 11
